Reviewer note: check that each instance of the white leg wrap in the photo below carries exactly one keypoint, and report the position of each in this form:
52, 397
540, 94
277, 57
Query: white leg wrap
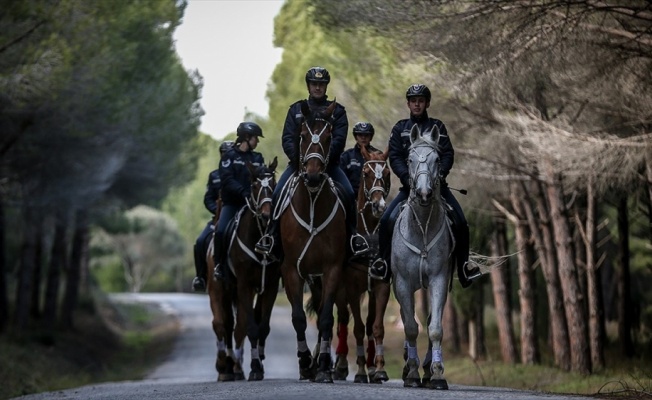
412, 352
221, 345
302, 346
380, 351
254, 354
437, 356
325, 347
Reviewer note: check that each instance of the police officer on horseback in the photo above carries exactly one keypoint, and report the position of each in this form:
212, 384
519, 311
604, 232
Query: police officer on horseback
236, 185
317, 80
418, 98
211, 201
352, 160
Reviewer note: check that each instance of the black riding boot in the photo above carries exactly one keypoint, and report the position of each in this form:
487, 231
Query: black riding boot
199, 282
218, 273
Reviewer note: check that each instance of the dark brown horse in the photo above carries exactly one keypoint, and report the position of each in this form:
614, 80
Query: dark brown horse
257, 278
371, 204
253, 277
313, 239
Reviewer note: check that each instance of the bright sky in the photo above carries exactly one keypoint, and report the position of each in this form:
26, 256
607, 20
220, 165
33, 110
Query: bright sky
230, 43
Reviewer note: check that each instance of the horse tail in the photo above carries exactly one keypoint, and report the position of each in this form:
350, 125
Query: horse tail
313, 306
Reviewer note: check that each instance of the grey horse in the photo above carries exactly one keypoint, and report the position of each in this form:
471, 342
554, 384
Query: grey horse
422, 245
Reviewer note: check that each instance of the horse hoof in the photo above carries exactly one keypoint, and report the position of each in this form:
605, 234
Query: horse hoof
225, 377
380, 377
438, 384
360, 378
306, 374
412, 383
239, 376
323, 377
256, 376
340, 374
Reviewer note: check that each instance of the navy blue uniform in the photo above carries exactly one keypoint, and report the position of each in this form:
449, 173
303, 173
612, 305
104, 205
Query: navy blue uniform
236, 183
351, 163
211, 197
399, 145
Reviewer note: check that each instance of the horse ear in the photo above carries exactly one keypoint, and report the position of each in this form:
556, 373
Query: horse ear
251, 168
274, 163
386, 153
331, 108
415, 133
434, 134
305, 108
364, 152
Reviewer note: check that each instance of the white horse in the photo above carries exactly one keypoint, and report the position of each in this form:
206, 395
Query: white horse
422, 245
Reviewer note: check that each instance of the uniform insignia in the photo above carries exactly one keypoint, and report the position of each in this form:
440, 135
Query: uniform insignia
318, 75
226, 163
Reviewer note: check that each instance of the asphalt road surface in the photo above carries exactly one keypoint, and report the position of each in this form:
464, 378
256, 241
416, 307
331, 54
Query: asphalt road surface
189, 372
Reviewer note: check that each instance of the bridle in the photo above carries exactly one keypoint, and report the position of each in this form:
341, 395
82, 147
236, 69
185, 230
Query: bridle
315, 139
379, 184
423, 159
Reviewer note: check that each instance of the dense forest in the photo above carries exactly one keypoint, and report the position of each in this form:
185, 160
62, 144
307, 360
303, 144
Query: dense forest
548, 103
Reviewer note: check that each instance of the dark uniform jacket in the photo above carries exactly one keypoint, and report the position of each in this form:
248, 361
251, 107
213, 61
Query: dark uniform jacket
351, 163
236, 182
212, 191
294, 119
399, 144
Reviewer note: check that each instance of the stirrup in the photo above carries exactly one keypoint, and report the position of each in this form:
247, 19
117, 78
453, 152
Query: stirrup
363, 247
472, 273
378, 269
265, 245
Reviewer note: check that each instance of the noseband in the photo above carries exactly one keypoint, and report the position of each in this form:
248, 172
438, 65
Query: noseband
256, 201
423, 159
315, 138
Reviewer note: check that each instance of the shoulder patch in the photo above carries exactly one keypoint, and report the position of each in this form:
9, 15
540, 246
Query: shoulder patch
226, 163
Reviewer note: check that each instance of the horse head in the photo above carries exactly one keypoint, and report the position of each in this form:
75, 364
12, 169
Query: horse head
375, 180
424, 165
315, 142
263, 182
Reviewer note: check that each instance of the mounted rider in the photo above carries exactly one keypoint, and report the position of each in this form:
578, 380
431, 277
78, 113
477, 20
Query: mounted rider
211, 202
317, 80
352, 160
236, 185
418, 98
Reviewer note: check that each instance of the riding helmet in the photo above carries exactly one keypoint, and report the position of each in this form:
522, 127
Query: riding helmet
225, 146
318, 74
364, 128
418, 90
249, 128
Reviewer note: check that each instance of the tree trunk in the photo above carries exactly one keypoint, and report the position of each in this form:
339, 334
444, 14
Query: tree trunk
527, 299
575, 311
545, 249
79, 245
4, 298
593, 290
500, 285
24, 288
623, 279
35, 302
57, 262
477, 348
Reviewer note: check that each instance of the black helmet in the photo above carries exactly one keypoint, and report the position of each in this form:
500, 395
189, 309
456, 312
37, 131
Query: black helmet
363, 127
317, 74
249, 128
418, 90
225, 146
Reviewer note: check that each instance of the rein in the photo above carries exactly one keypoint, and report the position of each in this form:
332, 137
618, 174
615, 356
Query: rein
378, 185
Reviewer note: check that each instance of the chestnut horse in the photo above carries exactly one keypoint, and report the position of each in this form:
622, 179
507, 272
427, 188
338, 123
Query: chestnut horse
313, 240
371, 203
257, 278
252, 278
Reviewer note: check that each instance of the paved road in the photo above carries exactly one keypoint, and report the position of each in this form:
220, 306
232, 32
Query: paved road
189, 373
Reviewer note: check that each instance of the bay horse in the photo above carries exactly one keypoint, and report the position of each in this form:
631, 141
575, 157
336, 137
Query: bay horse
371, 203
422, 245
313, 239
228, 295
257, 277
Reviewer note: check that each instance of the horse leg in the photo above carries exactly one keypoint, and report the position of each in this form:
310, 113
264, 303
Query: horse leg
263, 312
381, 293
438, 292
294, 292
216, 295
330, 280
341, 370
405, 297
358, 333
